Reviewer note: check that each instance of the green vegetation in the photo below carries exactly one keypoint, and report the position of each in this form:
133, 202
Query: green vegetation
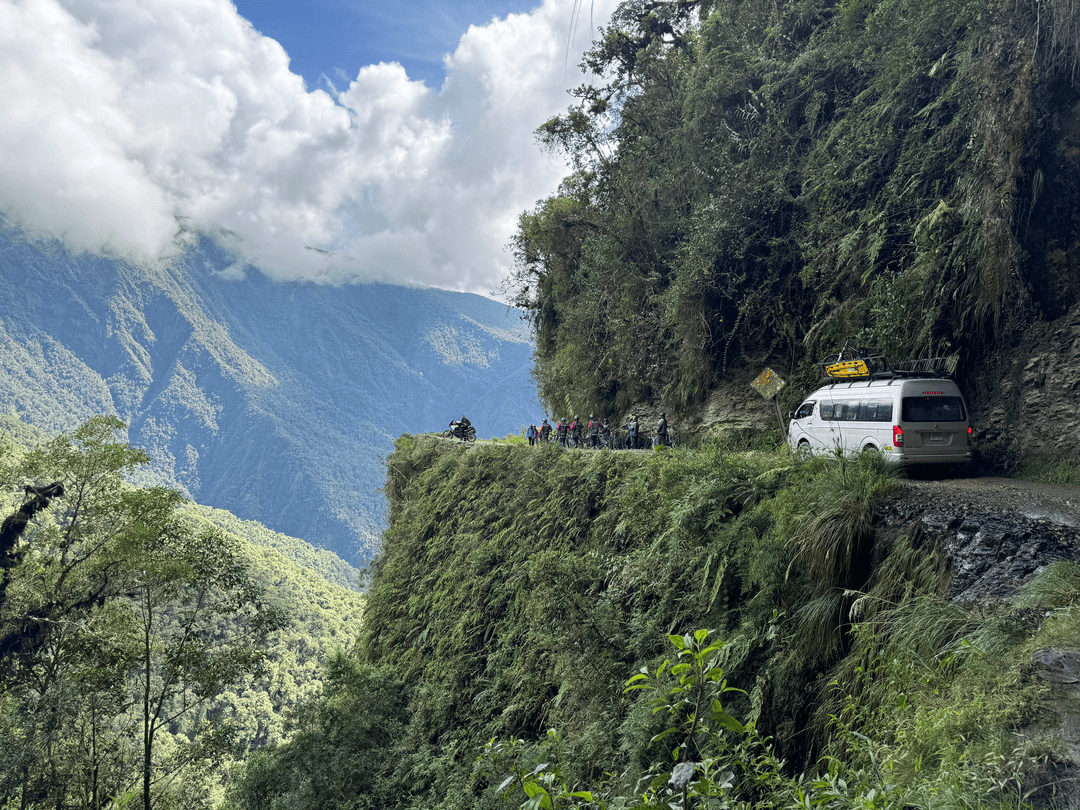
722, 626
143, 648
1045, 471
324, 617
306, 557
517, 646
761, 180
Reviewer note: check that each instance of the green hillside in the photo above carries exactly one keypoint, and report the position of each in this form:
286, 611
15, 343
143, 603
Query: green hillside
520, 590
318, 594
318, 562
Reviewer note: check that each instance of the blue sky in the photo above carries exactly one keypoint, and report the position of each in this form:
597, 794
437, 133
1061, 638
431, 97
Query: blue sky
398, 138
334, 38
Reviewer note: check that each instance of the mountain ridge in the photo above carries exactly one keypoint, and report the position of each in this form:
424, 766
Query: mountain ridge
274, 400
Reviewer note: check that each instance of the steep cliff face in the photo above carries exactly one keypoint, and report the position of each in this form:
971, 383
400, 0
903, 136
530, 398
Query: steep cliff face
274, 401
1026, 397
760, 182
890, 634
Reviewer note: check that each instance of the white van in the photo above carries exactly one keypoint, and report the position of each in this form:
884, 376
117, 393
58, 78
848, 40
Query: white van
910, 420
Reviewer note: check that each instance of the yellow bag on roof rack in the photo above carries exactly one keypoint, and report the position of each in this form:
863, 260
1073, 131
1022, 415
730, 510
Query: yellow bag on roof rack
848, 369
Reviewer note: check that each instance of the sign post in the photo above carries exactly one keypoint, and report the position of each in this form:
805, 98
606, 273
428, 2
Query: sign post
769, 384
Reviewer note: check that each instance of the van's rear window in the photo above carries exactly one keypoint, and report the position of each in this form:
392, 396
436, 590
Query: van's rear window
932, 409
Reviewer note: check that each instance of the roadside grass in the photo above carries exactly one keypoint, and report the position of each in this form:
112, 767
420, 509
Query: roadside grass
1043, 471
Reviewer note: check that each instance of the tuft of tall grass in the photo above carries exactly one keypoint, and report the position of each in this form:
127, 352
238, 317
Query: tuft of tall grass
1056, 586
834, 539
832, 542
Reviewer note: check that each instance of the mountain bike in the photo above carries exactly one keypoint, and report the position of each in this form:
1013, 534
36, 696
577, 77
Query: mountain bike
672, 439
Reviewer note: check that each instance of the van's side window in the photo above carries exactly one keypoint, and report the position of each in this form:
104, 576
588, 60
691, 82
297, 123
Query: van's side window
826, 410
880, 412
805, 410
862, 410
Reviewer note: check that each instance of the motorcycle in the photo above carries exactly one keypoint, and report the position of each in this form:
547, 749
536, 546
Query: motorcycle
454, 432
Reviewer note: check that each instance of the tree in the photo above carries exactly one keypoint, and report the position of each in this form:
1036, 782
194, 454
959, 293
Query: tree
63, 625
115, 613
344, 749
202, 623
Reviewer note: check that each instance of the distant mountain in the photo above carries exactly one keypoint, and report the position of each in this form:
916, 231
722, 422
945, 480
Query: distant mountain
276, 401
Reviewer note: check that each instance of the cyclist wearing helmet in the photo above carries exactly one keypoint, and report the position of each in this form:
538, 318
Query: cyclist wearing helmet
575, 432
594, 432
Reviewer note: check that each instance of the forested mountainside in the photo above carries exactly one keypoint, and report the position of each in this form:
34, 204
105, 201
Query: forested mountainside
756, 182
727, 625
146, 644
275, 401
720, 626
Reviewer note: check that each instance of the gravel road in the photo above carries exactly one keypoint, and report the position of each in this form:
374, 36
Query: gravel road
1056, 503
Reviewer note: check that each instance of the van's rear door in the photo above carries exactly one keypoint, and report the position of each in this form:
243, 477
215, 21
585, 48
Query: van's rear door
935, 422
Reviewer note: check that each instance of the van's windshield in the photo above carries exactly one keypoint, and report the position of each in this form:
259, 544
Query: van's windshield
932, 409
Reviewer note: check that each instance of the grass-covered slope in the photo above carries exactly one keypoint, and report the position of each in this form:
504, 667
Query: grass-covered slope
520, 588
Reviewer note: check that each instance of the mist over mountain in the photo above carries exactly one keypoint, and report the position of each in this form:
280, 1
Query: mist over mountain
276, 401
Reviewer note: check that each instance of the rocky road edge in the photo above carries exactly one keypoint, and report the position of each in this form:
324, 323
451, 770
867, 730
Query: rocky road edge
996, 534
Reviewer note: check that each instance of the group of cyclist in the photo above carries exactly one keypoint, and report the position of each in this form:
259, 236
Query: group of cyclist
596, 434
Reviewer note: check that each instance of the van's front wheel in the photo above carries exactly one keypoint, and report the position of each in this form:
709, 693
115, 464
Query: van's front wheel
803, 450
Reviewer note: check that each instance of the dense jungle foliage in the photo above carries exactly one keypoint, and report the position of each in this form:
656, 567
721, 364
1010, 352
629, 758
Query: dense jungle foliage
145, 644
757, 181
716, 627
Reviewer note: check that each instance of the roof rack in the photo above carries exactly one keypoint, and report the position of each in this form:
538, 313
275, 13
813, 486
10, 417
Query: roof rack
852, 364
929, 366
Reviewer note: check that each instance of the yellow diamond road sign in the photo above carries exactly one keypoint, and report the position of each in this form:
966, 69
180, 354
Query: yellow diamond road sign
768, 383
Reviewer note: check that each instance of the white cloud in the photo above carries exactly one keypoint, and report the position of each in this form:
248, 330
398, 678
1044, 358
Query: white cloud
120, 116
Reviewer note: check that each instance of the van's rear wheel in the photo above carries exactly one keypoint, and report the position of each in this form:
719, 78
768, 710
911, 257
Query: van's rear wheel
869, 452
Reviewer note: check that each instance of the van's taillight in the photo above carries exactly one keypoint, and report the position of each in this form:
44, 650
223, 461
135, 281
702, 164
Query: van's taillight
969, 431
897, 436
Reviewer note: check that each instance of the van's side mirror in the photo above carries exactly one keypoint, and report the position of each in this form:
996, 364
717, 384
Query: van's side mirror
791, 414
